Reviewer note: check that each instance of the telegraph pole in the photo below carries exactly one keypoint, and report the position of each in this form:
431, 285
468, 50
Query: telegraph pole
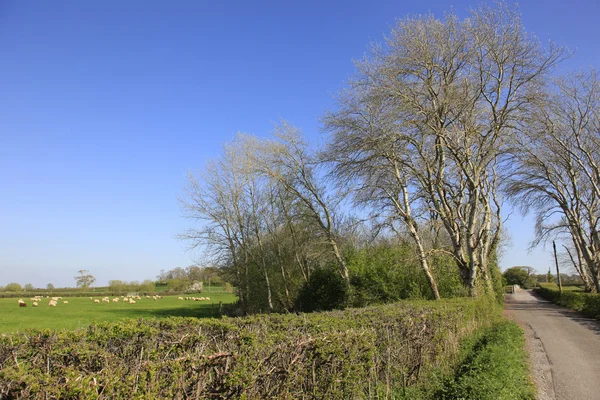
557, 271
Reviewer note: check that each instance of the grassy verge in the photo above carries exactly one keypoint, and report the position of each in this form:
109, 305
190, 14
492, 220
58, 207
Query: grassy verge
496, 368
586, 303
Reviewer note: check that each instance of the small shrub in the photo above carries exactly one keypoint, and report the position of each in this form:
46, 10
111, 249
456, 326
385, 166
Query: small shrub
325, 290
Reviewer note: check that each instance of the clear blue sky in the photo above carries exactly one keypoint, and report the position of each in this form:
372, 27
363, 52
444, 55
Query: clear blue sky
105, 106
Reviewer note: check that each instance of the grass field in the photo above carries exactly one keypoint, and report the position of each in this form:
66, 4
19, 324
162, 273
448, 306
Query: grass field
81, 311
554, 286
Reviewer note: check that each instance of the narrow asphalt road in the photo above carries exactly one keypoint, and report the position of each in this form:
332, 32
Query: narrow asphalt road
564, 347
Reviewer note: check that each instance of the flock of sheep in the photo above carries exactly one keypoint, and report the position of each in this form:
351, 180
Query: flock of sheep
125, 299
195, 298
38, 299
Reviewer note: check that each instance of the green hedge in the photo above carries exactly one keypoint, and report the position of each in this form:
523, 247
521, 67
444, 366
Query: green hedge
375, 352
586, 303
496, 369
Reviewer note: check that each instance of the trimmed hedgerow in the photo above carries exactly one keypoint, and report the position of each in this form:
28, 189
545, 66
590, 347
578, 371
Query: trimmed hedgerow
370, 352
586, 303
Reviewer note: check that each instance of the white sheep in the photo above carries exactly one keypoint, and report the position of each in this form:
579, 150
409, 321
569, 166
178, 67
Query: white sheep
207, 299
35, 304
96, 301
131, 301
180, 298
116, 300
52, 303
65, 302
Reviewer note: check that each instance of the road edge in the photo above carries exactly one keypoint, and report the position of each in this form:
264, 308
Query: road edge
540, 366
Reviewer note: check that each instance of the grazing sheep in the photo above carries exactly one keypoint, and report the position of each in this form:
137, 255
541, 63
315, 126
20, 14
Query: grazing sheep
116, 300
91, 298
207, 299
131, 301
22, 303
180, 298
65, 302
96, 301
35, 304
52, 303
125, 299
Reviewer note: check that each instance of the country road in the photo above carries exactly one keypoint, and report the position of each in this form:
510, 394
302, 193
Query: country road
564, 347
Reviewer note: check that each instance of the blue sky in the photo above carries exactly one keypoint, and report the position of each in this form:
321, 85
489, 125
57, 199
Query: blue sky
105, 106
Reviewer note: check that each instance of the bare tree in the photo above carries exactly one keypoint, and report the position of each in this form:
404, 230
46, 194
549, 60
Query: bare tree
288, 161
435, 109
557, 171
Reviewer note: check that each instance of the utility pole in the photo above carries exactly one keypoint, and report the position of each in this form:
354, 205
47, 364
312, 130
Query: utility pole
557, 271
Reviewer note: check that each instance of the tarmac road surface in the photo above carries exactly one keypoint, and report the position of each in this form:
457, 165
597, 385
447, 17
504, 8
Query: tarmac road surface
564, 347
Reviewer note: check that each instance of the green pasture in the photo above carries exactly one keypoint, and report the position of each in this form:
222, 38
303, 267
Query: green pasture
81, 311
554, 286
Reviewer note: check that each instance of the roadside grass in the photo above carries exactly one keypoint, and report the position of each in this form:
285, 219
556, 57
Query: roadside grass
81, 311
495, 369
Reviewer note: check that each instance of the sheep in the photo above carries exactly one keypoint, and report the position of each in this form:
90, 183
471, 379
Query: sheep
116, 300
22, 303
96, 301
65, 302
125, 299
180, 298
35, 304
131, 301
208, 299
52, 303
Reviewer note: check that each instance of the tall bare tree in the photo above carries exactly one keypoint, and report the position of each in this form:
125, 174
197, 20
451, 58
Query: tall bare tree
557, 168
289, 162
433, 111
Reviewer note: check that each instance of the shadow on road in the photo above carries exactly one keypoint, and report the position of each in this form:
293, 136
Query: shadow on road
549, 309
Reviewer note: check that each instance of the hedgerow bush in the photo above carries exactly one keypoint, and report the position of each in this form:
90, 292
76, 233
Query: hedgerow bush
325, 290
586, 303
373, 352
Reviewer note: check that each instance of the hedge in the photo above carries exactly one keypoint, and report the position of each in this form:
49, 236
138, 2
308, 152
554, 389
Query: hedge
395, 350
586, 303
